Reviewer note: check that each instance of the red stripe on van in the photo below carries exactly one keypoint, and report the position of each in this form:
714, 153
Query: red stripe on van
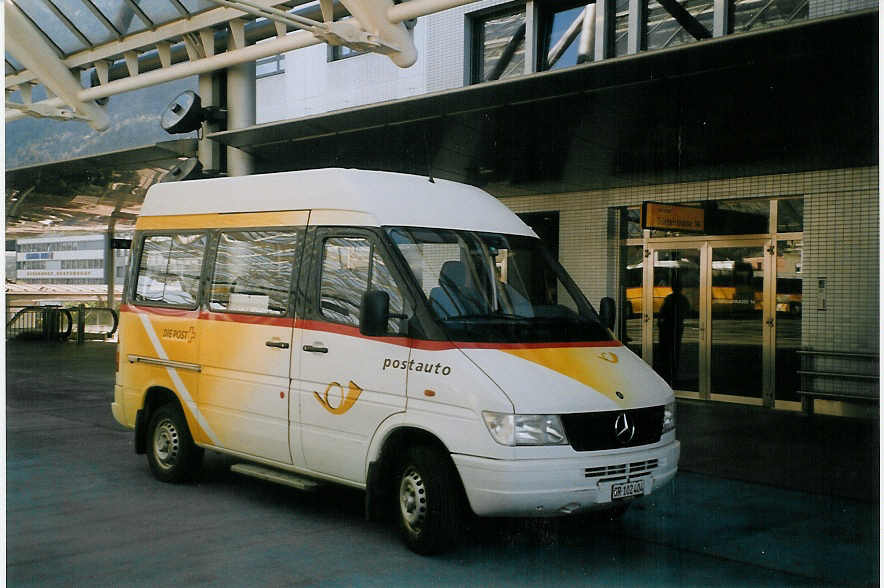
161, 311
502, 346
247, 319
443, 345
349, 331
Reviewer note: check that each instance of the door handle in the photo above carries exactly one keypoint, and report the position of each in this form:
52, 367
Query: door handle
277, 344
315, 349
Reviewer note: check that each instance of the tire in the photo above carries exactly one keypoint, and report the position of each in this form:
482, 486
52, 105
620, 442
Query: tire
428, 501
171, 453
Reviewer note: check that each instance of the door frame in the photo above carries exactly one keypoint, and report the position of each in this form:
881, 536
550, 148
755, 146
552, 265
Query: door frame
705, 245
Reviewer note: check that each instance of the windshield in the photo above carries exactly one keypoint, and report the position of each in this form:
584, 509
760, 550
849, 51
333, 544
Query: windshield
492, 287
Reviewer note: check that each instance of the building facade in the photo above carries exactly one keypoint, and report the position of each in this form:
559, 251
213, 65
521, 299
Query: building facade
786, 266
71, 260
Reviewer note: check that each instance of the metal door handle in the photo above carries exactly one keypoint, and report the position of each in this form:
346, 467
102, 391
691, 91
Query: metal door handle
314, 349
278, 344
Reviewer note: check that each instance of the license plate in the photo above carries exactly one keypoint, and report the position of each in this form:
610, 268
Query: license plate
627, 489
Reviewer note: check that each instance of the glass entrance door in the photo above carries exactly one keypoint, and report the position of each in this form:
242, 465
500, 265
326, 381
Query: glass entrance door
737, 322
672, 312
706, 318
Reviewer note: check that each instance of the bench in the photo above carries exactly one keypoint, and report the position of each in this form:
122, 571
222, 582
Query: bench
821, 383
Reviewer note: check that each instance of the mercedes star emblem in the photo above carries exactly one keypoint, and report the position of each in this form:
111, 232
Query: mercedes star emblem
624, 429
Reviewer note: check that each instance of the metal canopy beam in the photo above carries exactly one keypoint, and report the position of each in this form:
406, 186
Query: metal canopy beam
375, 26
26, 45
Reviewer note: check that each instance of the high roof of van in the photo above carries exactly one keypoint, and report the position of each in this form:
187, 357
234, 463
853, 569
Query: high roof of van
383, 198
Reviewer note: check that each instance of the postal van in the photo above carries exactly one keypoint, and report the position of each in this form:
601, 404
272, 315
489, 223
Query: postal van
410, 338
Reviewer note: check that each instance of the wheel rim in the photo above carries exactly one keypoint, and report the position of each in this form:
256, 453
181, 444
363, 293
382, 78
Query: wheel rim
166, 444
413, 500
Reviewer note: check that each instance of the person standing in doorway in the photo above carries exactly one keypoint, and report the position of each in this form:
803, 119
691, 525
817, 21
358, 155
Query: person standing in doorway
675, 308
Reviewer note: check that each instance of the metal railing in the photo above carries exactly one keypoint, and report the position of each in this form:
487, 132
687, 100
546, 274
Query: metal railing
837, 375
55, 323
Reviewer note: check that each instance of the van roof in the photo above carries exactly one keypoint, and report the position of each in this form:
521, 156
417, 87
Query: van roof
392, 199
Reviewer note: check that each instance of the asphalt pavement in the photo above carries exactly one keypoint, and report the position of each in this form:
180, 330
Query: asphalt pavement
762, 498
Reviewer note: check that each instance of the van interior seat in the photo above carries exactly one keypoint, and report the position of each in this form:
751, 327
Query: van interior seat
453, 297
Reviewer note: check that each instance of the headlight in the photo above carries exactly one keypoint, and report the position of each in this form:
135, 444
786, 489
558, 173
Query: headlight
669, 417
525, 429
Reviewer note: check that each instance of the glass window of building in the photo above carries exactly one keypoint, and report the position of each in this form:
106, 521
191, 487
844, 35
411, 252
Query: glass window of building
499, 45
664, 31
790, 215
269, 66
621, 27
565, 35
750, 15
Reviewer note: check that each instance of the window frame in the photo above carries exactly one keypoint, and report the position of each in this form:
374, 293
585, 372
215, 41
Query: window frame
312, 284
474, 43
136, 267
294, 273
543, 30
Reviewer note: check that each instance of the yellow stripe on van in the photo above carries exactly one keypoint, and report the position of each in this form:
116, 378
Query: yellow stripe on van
282, 218
596, 367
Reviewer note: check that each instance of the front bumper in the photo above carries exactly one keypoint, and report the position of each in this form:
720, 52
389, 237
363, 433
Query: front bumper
556, 487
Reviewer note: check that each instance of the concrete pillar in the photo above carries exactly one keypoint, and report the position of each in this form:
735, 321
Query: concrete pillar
240, 114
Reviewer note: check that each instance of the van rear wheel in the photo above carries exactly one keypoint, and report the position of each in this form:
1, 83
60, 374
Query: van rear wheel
171, 452
428, 501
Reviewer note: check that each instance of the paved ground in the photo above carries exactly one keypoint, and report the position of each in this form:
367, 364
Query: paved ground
762, 499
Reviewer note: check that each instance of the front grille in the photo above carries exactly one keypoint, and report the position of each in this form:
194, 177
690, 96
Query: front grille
635, 468
594, 431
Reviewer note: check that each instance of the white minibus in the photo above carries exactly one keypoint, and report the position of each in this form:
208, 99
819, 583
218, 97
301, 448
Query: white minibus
408, 337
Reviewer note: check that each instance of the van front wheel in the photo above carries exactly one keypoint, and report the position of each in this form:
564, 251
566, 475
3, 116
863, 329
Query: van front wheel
428, 501
171, 452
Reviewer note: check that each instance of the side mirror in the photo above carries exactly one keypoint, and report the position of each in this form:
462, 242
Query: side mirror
374, 313
608, 312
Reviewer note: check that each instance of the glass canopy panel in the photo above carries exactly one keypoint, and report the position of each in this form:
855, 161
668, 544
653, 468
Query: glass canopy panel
82, 18
121, 15
197, 6
10, 60
51, 26
159, 11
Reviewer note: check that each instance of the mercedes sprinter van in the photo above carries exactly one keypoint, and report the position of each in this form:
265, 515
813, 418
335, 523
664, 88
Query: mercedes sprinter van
411, 338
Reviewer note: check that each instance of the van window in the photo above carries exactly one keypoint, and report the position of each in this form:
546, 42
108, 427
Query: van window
253, 270
169, 269
349, 267
493, 287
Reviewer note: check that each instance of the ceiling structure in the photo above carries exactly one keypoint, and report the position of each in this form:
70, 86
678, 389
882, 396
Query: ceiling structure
65, 58
766, 102
123, 45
